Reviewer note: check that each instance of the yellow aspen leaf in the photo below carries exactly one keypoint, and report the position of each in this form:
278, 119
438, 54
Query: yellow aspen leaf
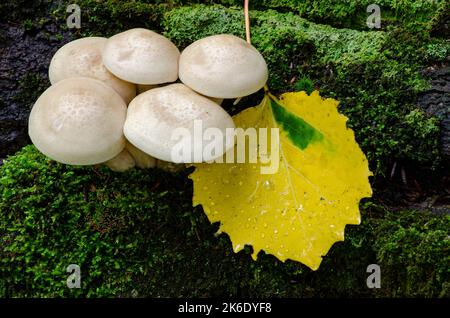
300, 211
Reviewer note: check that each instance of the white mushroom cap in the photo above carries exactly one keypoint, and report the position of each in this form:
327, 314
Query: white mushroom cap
83, 57
78, 121
154, 116
122, 162
142, 56
223, 66
142, 159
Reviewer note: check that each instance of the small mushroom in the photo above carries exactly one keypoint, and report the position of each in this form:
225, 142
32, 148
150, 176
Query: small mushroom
142, 159
223, 66
78, 121
142, 56
154, 116
83, 57
129, 158
122, 162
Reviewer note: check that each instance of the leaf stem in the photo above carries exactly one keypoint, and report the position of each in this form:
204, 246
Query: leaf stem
247, 21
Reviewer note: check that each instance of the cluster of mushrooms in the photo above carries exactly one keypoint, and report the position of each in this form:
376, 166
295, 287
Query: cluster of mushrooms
114, 100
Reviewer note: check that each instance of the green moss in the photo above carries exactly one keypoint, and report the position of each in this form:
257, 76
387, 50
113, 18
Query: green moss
304, 84
408, 246
413, 15
27, 25
437, 50
286, 41
135, 234
111, 15
96, 222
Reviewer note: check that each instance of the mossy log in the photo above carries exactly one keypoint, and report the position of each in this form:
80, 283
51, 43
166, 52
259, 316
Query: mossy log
136, 234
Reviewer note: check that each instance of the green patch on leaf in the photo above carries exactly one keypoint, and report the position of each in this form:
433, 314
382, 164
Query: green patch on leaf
298, 131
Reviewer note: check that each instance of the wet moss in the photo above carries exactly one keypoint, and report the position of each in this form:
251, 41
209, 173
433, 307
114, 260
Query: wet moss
136, 234
415, 15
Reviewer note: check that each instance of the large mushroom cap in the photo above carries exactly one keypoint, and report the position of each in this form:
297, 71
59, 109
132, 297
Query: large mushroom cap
78, 121
83, 57
223, 66
142, 56
154, 116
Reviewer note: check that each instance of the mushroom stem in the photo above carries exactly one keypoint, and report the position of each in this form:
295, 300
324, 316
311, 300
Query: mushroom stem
143, 160
122, 162
247, 22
